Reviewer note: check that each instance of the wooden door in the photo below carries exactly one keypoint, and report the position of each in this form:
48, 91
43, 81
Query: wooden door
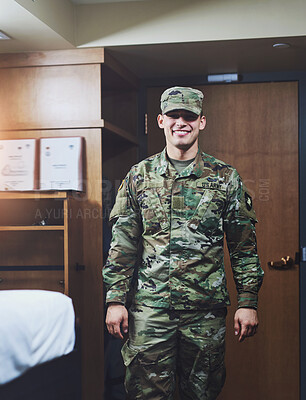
254, 127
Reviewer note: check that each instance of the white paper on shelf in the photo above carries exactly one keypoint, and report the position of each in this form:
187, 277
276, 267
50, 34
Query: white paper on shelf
61, 163
17, 164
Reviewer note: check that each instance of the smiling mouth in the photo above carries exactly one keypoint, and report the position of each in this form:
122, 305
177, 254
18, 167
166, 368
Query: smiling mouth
181, 132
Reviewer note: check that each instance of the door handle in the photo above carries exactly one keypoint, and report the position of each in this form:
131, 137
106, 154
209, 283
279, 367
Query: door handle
285, 263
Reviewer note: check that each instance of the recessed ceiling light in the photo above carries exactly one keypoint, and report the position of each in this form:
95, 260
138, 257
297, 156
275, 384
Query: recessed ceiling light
281, 45
3, 36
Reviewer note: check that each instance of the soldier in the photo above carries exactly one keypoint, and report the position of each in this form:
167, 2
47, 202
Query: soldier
173, 209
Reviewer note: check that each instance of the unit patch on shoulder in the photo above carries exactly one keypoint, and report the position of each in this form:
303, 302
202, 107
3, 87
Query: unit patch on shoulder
248, 201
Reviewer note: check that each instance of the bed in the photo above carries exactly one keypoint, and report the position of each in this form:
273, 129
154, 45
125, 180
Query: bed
39, 349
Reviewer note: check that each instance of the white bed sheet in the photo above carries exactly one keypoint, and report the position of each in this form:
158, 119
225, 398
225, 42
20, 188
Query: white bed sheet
35, 326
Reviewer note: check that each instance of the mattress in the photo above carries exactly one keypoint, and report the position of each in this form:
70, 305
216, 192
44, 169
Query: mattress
35, 326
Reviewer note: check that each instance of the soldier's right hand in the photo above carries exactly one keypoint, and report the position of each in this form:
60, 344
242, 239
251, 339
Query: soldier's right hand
117, 320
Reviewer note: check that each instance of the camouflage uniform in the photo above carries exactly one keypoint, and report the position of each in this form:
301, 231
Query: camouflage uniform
181, 219
177, 222
164, 343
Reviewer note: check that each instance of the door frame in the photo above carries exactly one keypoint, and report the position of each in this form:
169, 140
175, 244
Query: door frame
300, 77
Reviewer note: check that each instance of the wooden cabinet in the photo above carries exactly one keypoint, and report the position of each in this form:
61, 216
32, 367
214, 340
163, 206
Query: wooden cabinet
68, 93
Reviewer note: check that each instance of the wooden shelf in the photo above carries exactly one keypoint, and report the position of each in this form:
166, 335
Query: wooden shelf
37, 268
113, 67
51, 58
55, 125
35, 195
52, 125
32, 228
120, 132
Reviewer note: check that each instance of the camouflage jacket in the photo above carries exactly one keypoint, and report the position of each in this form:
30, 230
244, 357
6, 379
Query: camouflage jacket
177, 222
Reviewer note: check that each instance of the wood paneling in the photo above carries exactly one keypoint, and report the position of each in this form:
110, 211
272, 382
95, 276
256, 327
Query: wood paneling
48, 94
45, 58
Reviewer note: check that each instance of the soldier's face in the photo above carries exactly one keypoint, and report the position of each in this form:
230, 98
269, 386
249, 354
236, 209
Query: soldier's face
181, 128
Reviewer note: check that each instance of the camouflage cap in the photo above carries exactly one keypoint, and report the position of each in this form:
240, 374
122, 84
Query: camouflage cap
181, 98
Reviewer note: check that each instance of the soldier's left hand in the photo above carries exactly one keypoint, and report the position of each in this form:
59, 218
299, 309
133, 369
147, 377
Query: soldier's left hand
245, 323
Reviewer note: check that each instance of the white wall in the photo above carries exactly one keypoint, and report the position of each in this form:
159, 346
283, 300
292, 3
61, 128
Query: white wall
56, 14
170, 21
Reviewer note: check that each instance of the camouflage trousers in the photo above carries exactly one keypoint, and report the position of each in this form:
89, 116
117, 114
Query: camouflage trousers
165, 344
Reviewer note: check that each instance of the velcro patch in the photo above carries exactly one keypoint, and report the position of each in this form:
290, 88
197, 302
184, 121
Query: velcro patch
178, 202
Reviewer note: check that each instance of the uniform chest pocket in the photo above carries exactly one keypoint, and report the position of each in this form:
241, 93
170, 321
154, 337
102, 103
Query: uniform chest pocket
154, 216
208, 213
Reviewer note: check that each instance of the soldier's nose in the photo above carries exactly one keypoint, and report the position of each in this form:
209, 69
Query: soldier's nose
180, 122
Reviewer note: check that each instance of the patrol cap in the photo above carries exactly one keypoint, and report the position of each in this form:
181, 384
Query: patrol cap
181, 98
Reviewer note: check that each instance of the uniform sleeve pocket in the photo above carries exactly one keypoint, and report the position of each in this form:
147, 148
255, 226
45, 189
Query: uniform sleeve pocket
119, 209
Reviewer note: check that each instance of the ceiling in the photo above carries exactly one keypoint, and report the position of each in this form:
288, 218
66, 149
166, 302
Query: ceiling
29, 33
201, 58
101, 1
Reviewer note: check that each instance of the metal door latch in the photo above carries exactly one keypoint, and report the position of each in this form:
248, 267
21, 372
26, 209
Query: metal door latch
288, 262
284, 263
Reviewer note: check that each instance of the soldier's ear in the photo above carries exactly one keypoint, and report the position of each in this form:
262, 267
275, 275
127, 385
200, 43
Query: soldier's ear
202, 122
160, 121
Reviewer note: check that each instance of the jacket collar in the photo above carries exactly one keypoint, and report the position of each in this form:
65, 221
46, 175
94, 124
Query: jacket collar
195, 168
